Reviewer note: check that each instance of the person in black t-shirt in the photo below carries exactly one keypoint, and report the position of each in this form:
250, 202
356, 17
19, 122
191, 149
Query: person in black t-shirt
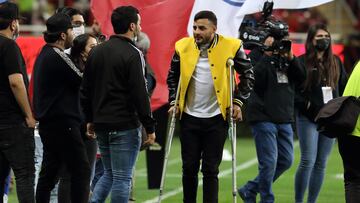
56, 103
16, 120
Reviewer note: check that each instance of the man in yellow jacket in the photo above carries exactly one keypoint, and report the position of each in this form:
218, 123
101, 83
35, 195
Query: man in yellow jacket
349, 145
199, 64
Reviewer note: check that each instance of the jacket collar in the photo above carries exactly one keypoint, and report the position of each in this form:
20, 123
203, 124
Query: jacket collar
212, 44
122, 38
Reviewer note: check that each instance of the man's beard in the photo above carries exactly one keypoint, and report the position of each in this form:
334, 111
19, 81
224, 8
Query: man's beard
136, 35
68, 44
205, 40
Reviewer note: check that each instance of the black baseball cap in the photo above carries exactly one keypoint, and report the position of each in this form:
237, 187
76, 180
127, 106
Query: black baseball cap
9, 11
59, 22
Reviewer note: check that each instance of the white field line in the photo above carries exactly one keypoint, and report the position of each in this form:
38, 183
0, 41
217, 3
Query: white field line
240, 167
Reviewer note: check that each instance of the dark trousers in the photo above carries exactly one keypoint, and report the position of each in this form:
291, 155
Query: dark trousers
17, 152
202, 139
65, 177
63, 147
349, 148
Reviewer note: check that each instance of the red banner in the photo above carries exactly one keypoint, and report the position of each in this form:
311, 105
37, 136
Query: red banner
30, 48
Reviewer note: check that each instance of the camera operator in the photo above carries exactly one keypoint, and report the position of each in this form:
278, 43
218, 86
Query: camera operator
270, 112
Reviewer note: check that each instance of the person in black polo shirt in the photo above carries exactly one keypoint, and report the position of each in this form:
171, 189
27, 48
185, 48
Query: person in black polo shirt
16, 120
56, 103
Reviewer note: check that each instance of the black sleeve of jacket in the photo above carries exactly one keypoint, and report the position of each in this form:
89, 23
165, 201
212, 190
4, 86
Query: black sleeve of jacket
297, 72
173, 77
244, 68
139, 94
86, 90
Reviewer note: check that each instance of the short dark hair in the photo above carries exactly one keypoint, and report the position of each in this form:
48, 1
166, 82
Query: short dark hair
206, 15
69, 11
51, 37
4, 23
8, 12
122, 17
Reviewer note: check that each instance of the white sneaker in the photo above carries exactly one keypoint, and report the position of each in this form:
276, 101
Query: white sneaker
226, 156
5, 198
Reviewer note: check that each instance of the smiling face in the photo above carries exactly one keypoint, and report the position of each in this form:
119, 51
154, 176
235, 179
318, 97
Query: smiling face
203, 31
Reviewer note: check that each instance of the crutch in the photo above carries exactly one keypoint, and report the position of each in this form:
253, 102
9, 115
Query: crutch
232, 127
169, 142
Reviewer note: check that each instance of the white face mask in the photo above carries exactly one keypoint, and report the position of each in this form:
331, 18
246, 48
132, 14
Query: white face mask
78, 31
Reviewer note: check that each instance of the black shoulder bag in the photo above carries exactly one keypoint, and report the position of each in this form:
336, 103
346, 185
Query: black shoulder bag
339, 116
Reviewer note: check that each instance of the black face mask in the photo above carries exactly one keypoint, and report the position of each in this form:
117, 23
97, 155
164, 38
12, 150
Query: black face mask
322, 44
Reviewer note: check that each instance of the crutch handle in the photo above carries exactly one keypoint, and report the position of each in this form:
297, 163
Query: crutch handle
230, 62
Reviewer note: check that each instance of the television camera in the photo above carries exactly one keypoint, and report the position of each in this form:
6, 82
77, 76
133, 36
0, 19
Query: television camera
255, 35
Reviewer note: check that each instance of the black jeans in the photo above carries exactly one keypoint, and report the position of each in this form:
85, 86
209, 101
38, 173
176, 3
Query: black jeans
63, 147
349, 148
64, 190
201, 139
17, 152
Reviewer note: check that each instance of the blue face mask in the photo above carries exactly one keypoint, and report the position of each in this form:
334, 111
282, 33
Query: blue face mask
322, 44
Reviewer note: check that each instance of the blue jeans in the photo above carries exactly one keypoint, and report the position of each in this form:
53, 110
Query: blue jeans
119, 150
274, 148
315, 149
98, 172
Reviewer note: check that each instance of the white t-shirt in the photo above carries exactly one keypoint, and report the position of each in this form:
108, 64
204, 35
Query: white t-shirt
201, 98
